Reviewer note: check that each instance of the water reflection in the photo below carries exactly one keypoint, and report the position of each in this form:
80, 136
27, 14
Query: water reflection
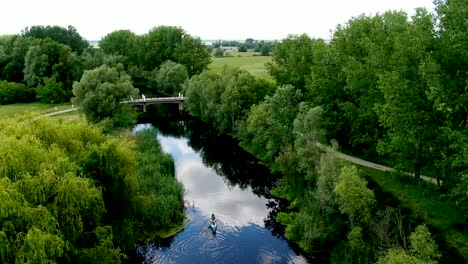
235, 205
220, 178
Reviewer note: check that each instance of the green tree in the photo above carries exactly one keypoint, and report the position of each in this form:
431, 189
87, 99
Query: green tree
423, 245
11, 92
292, 60
423, 250
121, 42
13, 70
224, 99
254, 133
68, 36
92, 58
159, 45
45, 209
269, 125
242, 48
98, 94
191, 53
284, 107
308, 131
51, 92
354, 198
47, 58
406, 110
218, 52
265, 50
397, 256
40, 247
196, 101
6, 47
239, 95
453, 57
165, 43
170, 77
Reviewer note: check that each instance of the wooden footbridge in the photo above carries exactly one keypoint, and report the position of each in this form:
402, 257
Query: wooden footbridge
156, 100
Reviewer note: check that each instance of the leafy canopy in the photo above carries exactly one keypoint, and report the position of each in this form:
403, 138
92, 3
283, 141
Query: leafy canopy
100, 91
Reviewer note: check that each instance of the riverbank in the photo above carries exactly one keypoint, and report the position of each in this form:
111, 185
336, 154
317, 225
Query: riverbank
94, 192
159, 205
424, 204
219, 178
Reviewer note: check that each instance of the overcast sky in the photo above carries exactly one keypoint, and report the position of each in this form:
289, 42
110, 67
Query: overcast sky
207, 19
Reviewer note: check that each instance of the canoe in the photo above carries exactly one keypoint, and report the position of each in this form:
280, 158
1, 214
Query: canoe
213, 227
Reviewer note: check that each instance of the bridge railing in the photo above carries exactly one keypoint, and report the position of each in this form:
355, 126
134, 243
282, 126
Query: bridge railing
143, 100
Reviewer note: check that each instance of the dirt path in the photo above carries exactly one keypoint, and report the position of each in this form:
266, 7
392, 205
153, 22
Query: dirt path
62, 111
371, 164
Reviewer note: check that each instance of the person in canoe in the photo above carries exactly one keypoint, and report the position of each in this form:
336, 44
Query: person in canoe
213, 224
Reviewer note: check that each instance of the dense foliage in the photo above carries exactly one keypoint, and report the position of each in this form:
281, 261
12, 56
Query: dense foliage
170, 77
99, 93
68, 36
387, 87
224, 99
47, 58
67, 190
50, 59
11, 92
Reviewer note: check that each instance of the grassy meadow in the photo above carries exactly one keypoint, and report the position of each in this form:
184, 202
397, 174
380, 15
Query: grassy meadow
12, 110
244, 60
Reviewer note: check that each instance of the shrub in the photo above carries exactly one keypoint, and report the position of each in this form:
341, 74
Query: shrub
52, 92
218, 52
11, 92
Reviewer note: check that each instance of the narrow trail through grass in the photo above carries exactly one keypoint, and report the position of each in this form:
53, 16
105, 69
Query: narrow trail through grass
12, 110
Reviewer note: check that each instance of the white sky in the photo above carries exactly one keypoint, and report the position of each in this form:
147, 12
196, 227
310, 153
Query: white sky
207, 19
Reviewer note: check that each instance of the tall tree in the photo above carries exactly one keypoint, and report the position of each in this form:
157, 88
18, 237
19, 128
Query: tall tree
13, 70
47, 58
237, 98
354, 198
192, 54
6, 48
159, 45
270, 124
170, 77
99, 92
406, 111
172, 43
68, 36
121, 42
453, 57
292, 60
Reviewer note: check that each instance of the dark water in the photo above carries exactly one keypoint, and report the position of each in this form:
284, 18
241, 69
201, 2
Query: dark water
220, 178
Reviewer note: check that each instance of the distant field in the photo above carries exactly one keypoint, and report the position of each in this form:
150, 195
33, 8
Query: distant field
244, 60
12, 110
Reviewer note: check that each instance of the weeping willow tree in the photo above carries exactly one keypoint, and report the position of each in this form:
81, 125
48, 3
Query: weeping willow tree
60, 184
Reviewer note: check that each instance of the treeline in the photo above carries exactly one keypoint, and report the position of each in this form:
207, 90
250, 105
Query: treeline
387, 87
42, 63
71, 194
262, 46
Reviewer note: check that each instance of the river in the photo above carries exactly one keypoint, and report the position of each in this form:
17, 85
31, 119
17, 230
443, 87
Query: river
220, 178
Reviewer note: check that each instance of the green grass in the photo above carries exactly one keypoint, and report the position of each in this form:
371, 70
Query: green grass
425, 204
12, 110
244, 60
